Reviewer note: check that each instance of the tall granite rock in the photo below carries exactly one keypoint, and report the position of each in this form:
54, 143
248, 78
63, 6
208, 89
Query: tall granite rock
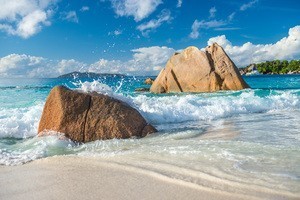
85, 117
193, 70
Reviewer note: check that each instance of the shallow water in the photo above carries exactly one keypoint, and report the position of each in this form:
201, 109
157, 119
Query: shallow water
249, 137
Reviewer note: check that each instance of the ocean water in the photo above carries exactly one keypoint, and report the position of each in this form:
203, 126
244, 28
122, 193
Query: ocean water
247, 139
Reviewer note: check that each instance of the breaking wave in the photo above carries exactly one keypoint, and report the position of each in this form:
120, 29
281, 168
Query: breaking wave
160, 109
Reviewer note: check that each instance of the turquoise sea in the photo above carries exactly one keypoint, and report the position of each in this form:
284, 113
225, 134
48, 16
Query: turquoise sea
248, 138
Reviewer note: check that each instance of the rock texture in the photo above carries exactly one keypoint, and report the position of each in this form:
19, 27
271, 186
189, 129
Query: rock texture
85, 117
149, 81
193, 70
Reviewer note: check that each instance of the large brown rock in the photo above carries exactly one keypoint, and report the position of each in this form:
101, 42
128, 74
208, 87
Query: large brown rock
193, 70
85, 117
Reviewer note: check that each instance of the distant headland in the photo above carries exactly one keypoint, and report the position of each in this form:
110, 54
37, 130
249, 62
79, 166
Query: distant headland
272, 67
87, 75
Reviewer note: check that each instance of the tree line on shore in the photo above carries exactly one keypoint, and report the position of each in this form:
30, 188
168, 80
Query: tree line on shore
274, 67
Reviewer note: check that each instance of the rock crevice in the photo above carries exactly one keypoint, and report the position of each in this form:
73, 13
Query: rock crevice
176, 80
85, 118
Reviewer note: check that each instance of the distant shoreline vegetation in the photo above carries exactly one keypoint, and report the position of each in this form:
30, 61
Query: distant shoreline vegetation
272, 67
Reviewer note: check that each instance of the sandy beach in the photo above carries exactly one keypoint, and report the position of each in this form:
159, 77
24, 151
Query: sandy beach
149, 100
70, 177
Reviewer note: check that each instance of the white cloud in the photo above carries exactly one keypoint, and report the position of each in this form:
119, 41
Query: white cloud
179, 3
212, 12
205, 25
165, 16
16, 65
152, 56
32, 23
139, 9
107, 66
25, 18
84, 9
286, 48
144, 61
66, 66
195, 30
248, 5
70, 16
149, 60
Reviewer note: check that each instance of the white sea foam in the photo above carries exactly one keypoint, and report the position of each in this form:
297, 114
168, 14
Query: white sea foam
94, 86
31, 149
196, 107
179, 151
23, 122
20, 122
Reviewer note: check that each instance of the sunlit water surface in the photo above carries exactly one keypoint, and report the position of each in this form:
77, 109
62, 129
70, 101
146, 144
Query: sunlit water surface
242, 138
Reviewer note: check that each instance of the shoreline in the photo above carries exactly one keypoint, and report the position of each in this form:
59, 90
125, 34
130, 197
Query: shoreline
73, 177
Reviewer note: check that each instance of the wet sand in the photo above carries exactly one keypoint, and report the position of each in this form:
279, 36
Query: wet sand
71, 177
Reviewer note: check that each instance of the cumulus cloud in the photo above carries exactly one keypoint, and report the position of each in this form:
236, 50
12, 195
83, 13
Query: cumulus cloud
212, 12
146, 60
179, 3
106, 66
286, 48
205, 25
25, 18
70, 16
153, 24
139, 9
149, 60
66, 66
248, 5
152, 56
16, 65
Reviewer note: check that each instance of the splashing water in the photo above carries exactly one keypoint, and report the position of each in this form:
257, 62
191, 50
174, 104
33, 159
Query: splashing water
239, 137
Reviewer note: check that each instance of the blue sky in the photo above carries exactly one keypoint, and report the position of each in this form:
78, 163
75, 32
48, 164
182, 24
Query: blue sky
46, 38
